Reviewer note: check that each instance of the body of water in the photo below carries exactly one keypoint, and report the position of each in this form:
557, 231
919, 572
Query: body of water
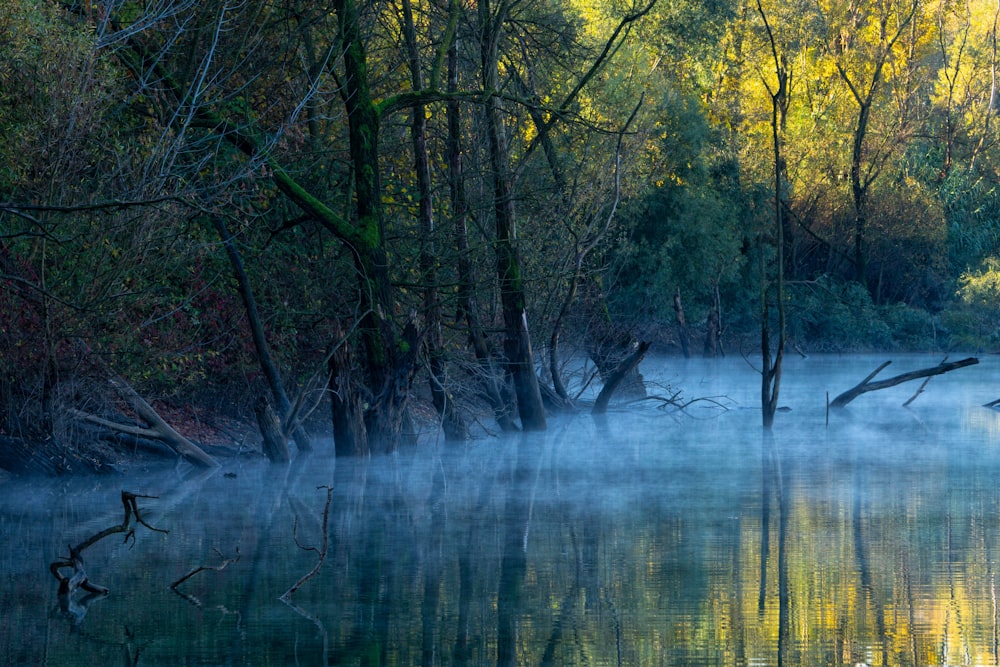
649, 536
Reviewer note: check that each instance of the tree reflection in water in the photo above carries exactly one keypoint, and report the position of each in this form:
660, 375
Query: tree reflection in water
689, 542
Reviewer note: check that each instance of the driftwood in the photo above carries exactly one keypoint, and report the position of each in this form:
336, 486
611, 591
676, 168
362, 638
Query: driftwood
623, 369
157, 428
78, 579
867, 384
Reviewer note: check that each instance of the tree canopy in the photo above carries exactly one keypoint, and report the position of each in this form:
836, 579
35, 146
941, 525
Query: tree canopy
427, 199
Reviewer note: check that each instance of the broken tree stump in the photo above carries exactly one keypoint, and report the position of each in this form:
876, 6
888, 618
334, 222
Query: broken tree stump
274, 442
868, 385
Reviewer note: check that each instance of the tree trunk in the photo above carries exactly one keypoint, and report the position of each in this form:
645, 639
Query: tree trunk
859, 194
771, 367
713, 327
451, 422
517, 343
612, 383
274, 443
557, 383
350, 437
384, 363
468, 307
263, 350
711, 339
682, 327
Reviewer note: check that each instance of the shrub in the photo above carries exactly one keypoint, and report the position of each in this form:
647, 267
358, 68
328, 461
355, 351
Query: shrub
912, 329
834, 316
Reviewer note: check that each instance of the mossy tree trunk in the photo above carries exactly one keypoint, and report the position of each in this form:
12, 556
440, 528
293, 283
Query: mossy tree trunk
388, 359
385, 361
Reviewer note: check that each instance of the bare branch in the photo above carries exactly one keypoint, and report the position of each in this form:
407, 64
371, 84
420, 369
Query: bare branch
322, 551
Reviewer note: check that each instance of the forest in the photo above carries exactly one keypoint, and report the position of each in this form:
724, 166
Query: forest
379, 216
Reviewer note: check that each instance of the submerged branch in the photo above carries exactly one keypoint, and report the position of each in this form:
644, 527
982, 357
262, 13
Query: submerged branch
202, 568
74, 562
321, 551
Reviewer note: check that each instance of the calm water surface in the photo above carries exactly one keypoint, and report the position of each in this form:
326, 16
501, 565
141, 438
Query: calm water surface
647, 537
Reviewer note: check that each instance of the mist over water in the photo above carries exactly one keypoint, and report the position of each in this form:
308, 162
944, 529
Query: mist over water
645, 537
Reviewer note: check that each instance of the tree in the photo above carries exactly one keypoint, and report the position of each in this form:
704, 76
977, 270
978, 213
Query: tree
453, 425
467, 304
861, 40
518, 354
780, 93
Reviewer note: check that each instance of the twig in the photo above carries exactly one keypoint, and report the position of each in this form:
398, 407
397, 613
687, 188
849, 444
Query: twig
201, 568
919, 391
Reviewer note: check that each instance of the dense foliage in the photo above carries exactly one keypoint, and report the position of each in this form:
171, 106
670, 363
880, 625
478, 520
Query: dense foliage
429, 197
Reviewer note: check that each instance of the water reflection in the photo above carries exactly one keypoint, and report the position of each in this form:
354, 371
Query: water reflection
635, 540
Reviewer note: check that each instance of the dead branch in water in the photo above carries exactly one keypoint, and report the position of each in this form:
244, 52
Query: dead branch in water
674, 399
321, 551
867, 385
74, 562
202, 568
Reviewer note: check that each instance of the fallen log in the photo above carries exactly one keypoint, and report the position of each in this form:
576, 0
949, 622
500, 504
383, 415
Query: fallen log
157, 428
868, 385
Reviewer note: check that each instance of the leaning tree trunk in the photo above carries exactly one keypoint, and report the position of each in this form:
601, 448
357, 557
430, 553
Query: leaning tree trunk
157, 429
274, 443
264, 358
625, 367
868, 385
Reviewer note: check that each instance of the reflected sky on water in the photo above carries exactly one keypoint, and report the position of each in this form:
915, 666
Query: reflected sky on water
646, 537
